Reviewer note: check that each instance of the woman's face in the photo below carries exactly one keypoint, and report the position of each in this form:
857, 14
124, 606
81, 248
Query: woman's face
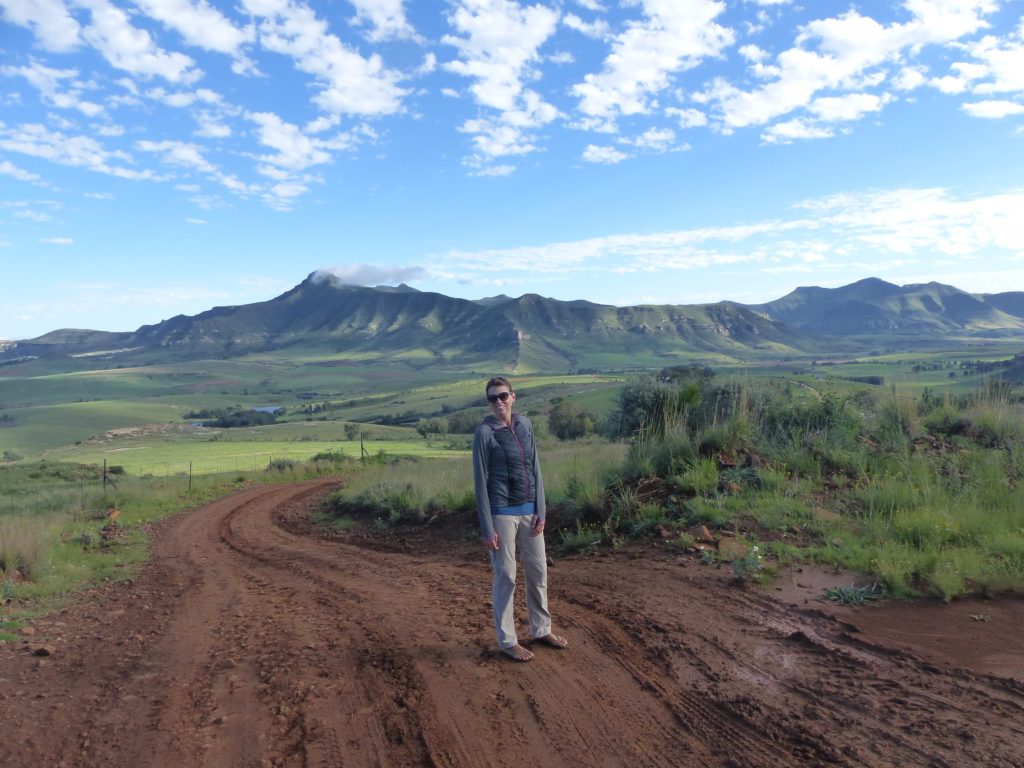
501, 398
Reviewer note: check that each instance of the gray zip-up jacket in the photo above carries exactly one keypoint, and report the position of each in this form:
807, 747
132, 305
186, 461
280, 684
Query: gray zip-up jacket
506, 470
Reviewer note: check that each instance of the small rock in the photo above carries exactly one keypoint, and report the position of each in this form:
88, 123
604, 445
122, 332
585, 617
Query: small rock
730, 549
27, 631
701, 534
43, 650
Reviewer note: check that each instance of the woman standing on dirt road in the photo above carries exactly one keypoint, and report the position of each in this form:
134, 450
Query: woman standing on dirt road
510, 503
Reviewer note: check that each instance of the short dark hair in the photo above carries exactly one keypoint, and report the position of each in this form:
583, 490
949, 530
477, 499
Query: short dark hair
497, 381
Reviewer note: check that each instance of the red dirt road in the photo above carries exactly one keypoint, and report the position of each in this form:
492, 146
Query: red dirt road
247, 641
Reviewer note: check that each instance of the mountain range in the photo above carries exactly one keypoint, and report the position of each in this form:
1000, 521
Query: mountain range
531, 332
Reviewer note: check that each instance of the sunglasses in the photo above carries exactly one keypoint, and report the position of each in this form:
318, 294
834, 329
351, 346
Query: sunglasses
503, 396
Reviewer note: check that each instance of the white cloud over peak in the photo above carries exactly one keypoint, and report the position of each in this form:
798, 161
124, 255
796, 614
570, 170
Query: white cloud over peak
369, 274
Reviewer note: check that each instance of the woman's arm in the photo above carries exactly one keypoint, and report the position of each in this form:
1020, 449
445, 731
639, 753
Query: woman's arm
480, 471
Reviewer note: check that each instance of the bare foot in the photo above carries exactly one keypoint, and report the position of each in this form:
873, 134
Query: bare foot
553, 641
517, 653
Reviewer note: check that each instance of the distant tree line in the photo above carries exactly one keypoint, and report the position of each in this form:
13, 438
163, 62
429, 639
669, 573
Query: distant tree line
232, 418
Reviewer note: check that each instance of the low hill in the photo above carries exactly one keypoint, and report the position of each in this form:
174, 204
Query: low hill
875, 307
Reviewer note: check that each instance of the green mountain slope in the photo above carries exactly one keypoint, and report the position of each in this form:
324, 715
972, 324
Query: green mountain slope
322, 316
876, 307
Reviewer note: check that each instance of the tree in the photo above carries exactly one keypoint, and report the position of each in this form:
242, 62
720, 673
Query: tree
465, 422
428, 427
567, 421
351, 431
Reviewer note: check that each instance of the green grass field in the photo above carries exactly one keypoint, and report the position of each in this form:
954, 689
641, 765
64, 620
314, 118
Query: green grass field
211, 457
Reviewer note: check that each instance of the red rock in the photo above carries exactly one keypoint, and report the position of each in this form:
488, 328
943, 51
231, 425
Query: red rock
701, 534
730, 549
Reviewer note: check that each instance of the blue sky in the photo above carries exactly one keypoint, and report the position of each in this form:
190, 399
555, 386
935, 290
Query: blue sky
161, 157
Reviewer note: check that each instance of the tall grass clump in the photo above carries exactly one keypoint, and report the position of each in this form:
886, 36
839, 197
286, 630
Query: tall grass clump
24, 547
920, 492
408, 489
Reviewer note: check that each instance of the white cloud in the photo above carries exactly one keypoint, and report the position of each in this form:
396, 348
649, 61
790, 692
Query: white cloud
994, 109
50, 20
654, 140
32, 215
178, 153
386, 19
109, 130
498, 43
843, 53
50, 84
204, 27
851, 106
672, 38
350, 84
753, 53
959, 82
688, 118
798, 128
77, 151
211, 126
295, 151
196, 222
596, 29
606, 155
57, 241
872, 231
131, 49
1004, 62
179, 99
7, 168
495, 170
909, 78
370, 274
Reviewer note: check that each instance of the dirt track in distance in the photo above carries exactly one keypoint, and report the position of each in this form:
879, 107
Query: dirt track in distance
251, 641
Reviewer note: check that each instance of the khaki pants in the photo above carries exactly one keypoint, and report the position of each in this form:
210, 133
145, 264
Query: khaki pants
514, 532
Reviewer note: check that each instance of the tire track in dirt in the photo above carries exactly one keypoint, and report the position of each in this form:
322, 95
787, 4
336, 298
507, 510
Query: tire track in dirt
248, 642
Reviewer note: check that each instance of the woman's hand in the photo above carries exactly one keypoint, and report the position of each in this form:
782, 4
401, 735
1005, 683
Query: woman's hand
538, 526
491, 543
